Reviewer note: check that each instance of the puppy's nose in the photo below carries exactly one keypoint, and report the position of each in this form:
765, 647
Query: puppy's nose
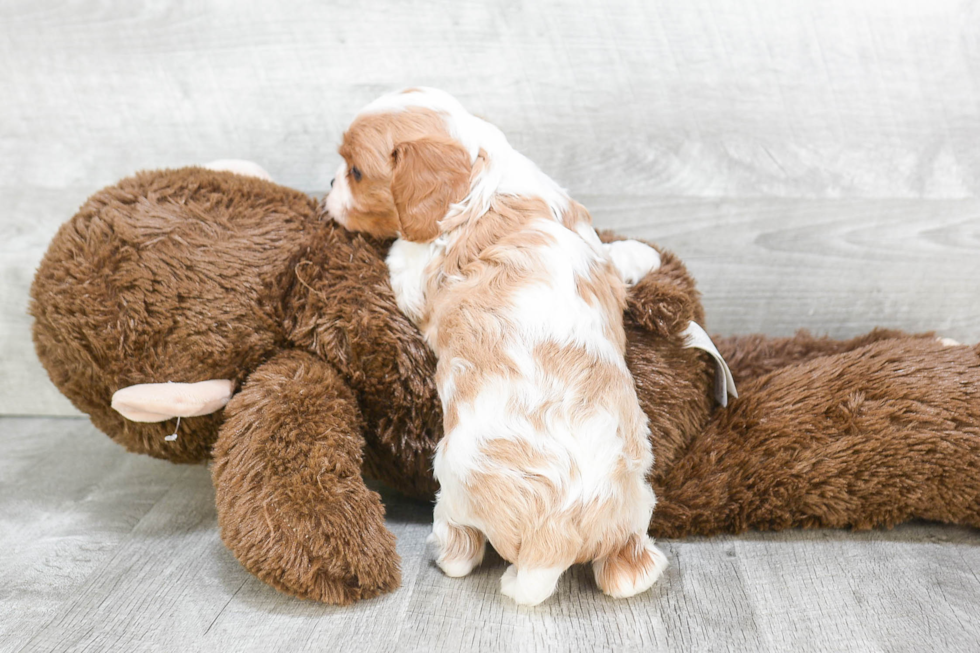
331, 182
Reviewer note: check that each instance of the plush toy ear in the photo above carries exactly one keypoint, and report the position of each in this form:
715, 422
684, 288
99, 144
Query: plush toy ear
428, 175
158, 402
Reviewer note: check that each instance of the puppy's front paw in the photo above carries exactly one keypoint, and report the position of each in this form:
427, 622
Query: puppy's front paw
632, 259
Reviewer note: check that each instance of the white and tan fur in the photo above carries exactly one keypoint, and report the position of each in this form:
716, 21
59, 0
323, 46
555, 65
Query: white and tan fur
546, 449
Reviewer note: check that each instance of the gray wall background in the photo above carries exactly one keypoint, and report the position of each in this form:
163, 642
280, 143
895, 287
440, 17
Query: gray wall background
817, 164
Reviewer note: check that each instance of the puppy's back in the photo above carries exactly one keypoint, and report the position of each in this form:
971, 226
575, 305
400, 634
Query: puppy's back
546, 447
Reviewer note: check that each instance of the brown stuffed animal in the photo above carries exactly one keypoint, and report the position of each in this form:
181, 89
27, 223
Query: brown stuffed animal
193, 275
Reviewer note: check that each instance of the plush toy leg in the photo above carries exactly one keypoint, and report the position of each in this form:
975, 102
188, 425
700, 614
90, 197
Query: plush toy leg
867, 438
292, 505
751, 356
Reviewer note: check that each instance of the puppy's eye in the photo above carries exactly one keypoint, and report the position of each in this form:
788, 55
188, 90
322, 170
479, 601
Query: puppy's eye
355, 173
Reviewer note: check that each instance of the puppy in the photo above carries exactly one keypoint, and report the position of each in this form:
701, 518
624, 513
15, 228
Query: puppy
546, 449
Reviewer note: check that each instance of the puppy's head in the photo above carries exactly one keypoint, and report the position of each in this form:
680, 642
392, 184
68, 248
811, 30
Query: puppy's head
402, 168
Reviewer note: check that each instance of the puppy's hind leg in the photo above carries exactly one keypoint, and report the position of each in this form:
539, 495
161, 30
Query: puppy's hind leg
631, 570
459, 549
530, 585
540, 558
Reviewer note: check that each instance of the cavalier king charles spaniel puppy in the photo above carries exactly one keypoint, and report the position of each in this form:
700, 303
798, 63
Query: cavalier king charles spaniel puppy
546, 449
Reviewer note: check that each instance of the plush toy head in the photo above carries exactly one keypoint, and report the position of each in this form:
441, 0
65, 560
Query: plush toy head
192, 275
166, 277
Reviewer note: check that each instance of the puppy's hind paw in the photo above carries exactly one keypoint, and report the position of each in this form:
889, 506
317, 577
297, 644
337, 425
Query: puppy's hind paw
530, 586
459, 549
631, 570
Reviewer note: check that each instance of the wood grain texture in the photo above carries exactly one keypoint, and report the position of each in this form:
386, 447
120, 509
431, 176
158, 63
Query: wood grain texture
815, 163
703, 98
764, 141
837, 267
101, 550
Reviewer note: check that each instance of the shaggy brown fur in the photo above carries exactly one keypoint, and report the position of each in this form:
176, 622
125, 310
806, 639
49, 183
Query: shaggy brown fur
187, 275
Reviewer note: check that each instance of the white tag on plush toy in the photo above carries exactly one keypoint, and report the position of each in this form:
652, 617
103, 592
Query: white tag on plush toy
696, 338
173, 436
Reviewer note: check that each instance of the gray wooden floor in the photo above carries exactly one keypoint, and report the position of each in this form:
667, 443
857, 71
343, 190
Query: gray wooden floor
815, 163
101, 550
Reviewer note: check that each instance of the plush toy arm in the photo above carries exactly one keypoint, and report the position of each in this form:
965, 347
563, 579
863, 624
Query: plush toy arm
664, 300
751, 356
865, 438
292, 505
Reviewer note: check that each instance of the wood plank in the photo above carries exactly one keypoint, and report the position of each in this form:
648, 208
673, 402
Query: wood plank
629, 104
68, 499
30, 219
105, 550
837, 267
874, 590
846, 99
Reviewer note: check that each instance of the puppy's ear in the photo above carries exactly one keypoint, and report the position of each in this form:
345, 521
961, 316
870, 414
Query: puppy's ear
428, 175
